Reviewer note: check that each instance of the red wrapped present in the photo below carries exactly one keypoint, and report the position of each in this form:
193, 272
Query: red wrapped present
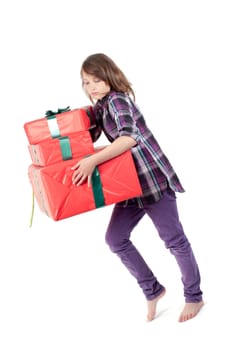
112, 182
56, 124
61, 148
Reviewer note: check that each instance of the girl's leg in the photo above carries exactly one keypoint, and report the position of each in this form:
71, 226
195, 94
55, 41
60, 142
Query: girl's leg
164, 215
122, 222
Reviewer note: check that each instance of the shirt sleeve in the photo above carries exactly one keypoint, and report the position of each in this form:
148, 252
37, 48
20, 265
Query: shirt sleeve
121, 109
95, 129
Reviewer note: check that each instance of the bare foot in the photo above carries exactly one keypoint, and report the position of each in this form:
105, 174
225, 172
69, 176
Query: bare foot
190, 310
151, 305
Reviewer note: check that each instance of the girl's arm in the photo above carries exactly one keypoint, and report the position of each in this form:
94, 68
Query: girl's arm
85, 167
117, 147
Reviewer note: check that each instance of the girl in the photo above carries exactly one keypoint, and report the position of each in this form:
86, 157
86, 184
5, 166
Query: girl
124, 126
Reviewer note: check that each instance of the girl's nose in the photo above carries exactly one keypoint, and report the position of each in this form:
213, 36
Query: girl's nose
92, 87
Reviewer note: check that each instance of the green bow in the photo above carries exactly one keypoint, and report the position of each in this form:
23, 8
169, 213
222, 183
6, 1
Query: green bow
59, 110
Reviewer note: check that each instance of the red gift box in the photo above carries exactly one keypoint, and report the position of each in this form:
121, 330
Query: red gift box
112, 182
57, 124
55, 150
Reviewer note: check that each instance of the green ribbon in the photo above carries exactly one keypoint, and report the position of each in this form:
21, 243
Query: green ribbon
97, 189
65, 147
32, 208
37, 184
52, 122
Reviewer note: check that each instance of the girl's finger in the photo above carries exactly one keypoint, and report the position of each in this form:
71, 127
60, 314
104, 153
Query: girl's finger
89, 180
81, 180
74, 167
76, 177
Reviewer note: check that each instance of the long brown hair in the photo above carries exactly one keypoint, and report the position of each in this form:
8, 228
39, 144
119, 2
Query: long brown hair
104, 68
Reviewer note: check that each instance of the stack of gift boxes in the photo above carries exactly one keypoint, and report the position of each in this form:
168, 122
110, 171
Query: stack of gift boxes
56, 143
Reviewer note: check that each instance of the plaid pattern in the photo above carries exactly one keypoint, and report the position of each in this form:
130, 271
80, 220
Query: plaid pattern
117, 115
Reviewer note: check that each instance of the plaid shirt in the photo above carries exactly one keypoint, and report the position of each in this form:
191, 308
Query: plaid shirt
117, 115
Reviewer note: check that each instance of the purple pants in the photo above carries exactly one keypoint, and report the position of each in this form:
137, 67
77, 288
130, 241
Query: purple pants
164, 215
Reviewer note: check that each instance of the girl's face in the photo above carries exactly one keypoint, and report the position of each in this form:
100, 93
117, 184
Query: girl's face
95, 88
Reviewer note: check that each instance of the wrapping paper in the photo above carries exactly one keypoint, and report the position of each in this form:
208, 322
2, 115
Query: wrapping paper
58, 125
51, 151
58, 198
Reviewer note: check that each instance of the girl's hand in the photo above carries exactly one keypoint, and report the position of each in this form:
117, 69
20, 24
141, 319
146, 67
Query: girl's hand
83, 170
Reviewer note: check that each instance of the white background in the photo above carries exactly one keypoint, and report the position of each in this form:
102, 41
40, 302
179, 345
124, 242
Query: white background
60, 286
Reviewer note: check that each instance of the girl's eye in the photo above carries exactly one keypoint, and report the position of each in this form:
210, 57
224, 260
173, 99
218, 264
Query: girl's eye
85, 82
96, 80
